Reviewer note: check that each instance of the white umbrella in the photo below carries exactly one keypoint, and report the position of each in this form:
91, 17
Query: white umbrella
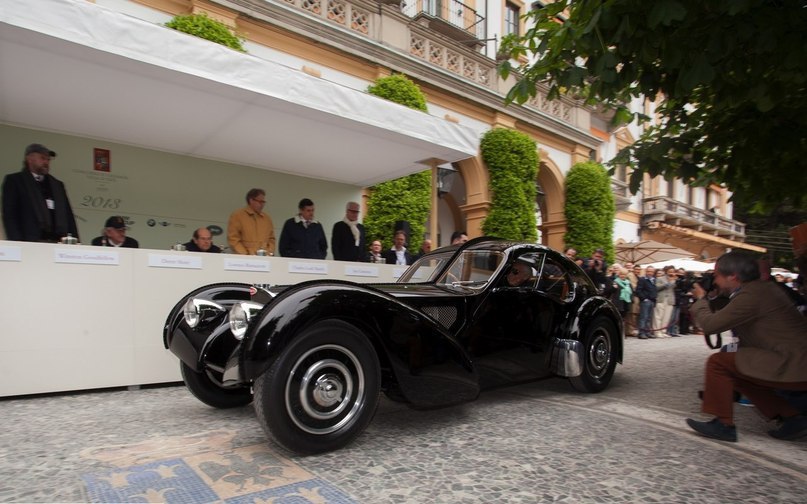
648, 251
687, 264
784, 272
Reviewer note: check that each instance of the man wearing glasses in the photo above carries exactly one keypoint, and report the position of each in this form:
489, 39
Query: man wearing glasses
519, 274
348, 236
250, 229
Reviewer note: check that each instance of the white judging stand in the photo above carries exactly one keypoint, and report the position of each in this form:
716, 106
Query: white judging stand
77, 317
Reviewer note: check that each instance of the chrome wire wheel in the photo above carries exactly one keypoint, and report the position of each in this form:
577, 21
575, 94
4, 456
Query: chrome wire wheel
599, 360
599, 353
322, 390
325, 389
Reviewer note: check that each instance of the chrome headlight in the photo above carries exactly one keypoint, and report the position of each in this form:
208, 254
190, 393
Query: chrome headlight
240, 315
195, 310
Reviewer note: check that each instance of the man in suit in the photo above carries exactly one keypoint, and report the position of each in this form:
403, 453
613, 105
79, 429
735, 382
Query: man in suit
398, 253
348, 237
35, 204
302, 236
772, 352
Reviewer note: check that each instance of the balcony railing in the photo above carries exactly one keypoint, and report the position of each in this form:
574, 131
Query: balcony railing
443, 33
348, 14
671, 211
450, 17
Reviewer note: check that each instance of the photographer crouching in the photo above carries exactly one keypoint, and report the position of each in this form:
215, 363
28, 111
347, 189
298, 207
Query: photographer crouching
771, 355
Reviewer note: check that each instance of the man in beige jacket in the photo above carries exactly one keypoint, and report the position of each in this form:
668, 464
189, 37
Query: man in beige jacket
771, 356
250, 228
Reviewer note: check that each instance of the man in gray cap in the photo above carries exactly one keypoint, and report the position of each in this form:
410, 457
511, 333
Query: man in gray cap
35, 204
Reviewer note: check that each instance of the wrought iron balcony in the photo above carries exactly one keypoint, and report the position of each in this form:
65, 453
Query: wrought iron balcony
449, 17
671, 211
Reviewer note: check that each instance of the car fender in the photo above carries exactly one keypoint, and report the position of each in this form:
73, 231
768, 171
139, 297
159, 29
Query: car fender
427, 364
599, 307
193, 346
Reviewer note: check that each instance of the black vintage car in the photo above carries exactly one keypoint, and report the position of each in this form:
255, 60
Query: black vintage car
315, 356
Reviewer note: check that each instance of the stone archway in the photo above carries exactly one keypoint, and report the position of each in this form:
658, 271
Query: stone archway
477, 199
477, 194
553, 225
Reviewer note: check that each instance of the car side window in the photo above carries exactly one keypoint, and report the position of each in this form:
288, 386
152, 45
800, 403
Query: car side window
472, 268
522, 271
554, 281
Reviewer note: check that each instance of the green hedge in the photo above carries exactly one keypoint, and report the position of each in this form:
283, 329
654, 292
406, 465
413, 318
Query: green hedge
590, 210
406, 198
399, 89
200, 25
512, 160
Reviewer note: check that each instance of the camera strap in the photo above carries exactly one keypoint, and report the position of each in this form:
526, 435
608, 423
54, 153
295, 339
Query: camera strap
716, 304
718, 341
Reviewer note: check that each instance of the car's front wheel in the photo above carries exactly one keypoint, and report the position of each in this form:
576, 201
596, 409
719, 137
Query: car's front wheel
204, 388
322, 391
599, 359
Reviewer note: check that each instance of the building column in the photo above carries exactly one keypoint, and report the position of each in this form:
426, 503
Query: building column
475, 214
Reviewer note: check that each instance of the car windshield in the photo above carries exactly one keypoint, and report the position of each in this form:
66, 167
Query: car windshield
471, 269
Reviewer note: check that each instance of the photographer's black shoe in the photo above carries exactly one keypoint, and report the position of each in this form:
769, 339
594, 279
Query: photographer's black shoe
714, 429
794, 427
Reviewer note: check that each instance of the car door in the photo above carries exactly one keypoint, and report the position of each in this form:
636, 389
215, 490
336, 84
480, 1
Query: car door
511, 334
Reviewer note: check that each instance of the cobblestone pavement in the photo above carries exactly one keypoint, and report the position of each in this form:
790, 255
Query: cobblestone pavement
540, 442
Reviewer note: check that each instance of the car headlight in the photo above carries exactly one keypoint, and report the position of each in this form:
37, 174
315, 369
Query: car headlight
240, 315
196, 310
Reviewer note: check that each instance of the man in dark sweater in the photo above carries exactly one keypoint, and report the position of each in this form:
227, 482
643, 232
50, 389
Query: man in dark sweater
302, 236
202, 242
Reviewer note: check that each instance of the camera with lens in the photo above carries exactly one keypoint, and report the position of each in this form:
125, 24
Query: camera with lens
684, 283
707, 281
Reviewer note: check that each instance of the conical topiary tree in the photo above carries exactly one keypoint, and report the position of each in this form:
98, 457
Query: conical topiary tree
512, 160
590, 210
406, 198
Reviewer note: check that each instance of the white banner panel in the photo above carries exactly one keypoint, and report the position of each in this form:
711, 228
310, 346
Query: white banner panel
363, 271
310, 268
84, 256
247, 264
10, 254
175, 261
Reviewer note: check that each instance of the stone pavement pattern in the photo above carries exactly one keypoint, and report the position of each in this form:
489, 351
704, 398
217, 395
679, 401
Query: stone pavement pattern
539, 442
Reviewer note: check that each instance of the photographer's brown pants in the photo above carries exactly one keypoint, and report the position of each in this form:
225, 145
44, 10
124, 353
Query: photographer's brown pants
722, 379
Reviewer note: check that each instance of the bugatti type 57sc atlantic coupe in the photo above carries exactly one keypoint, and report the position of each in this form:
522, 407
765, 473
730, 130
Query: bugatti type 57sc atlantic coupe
315, 356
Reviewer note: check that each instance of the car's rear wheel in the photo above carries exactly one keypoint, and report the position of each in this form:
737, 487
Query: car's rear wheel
599, 359
322, 391
204, 388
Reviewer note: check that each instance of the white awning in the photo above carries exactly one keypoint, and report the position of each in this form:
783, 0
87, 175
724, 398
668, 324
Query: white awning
78, 68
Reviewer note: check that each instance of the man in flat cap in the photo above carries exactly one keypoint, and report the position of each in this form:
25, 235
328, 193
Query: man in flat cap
114, 234
35, 204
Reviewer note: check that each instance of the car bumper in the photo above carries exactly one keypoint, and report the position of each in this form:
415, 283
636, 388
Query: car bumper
567, 358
